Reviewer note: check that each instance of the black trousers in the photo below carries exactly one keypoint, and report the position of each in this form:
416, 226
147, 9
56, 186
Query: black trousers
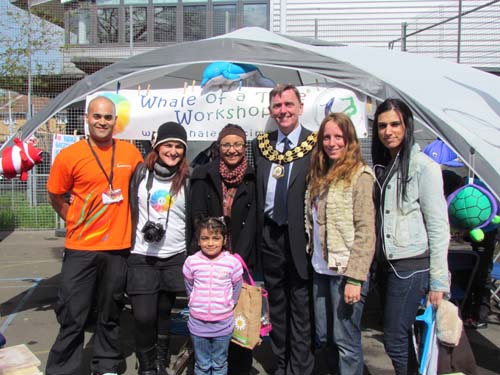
152, 285
289, 304
151, 317
89, 276
239, 360
477, 305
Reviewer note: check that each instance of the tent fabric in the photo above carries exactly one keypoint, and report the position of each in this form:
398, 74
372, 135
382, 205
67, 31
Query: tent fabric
458, 103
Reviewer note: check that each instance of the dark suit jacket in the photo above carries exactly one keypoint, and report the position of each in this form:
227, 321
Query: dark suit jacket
295, 197
206, 200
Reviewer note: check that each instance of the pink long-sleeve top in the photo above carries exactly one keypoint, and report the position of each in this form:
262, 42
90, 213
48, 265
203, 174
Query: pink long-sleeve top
212, 285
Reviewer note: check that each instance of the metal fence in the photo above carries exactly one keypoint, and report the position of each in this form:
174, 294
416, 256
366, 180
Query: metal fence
471, 36
23, 204
467, 32
51, 58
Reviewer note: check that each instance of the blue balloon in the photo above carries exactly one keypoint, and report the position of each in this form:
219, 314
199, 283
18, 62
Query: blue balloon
225, 73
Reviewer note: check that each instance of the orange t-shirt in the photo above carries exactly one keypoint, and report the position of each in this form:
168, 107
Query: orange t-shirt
91, 224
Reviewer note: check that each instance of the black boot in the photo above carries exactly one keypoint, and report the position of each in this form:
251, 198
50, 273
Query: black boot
147, 361
163, 354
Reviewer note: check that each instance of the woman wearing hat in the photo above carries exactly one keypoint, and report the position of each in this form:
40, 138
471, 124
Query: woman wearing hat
158, 192
226, 187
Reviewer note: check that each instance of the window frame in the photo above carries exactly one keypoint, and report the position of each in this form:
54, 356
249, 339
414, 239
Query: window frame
180, 6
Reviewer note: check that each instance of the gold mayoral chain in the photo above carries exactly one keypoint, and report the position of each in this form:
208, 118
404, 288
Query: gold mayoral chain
273, 155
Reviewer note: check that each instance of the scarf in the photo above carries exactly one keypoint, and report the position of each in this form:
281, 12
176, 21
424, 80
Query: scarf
231, 179
162, 171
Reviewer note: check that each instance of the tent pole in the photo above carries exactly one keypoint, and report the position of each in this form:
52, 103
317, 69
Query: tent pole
404, 25
459, 31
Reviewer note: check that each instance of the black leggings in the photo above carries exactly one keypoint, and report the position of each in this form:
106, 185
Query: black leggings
151, 317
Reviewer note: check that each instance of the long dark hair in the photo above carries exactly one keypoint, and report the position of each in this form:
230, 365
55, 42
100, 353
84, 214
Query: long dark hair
381, 155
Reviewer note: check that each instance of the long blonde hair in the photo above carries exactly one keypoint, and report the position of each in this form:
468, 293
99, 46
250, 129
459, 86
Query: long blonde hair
322, 173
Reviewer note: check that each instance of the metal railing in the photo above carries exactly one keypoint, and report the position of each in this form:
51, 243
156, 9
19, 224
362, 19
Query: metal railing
445, 38
24, 205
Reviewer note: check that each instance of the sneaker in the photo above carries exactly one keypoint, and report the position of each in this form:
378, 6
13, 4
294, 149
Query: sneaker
475, 324
481, 325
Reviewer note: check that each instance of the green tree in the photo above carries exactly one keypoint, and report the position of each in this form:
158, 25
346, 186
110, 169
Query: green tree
23, 36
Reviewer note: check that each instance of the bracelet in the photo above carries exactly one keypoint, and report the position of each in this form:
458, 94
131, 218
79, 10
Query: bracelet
354, 282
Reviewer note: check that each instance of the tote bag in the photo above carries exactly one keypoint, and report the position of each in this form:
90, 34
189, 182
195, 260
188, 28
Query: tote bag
251, 315
246, 331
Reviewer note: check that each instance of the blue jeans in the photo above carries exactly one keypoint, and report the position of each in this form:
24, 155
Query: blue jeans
210, 354
402, 299
328, 294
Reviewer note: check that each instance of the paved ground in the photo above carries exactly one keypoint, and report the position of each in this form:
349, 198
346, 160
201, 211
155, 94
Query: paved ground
30, 263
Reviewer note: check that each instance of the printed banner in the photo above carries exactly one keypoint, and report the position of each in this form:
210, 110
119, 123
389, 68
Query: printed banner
204, 114
62, 141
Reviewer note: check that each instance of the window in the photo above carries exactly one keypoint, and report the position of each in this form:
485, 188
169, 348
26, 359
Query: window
224, 19
107, 2
195, 22
139, 24
79, 26
107, 25
165, 24
154, 22
255, 15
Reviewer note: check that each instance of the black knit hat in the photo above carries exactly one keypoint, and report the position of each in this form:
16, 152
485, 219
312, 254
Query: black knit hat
169, 131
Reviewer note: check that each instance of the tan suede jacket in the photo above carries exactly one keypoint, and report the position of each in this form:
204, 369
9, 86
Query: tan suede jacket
346, 217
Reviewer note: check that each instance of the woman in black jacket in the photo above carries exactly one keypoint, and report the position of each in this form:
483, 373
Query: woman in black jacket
226, 187
160, 217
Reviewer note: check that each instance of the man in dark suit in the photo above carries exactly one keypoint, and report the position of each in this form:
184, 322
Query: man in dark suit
282, 162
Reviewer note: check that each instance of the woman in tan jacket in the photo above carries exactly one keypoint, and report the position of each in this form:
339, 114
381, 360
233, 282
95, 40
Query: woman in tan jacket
340, 222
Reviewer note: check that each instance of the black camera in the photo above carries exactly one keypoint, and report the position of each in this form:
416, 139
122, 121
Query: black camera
153, 232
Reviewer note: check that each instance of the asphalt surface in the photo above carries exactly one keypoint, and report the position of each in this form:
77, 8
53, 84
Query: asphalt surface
30, 263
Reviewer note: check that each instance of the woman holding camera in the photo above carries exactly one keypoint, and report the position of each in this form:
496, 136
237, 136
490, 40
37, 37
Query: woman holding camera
226, 187
158, 192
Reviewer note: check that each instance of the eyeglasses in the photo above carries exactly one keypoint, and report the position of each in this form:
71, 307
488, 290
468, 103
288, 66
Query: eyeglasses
238, 146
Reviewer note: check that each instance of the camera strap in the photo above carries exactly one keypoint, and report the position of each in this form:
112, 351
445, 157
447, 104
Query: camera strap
149, 185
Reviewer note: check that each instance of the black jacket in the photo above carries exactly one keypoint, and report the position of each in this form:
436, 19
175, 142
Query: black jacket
296, 196
135, 181
206, 200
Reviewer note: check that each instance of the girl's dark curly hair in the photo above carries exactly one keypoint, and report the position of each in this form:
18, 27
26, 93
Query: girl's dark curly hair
212, 224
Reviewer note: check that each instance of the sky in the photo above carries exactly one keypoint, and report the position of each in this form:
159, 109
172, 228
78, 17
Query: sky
11, 33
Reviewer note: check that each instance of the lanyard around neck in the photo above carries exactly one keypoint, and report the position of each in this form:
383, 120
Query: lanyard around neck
110, 177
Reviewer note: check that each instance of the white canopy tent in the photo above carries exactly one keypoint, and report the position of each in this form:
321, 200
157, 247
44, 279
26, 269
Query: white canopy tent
459, 104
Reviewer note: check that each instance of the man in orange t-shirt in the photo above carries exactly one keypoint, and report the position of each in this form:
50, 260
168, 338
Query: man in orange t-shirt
96, 171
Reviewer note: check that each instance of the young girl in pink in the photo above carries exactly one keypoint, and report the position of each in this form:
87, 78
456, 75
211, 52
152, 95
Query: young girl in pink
213, 279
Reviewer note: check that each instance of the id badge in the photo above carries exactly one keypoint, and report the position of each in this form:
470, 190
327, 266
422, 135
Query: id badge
112, 196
